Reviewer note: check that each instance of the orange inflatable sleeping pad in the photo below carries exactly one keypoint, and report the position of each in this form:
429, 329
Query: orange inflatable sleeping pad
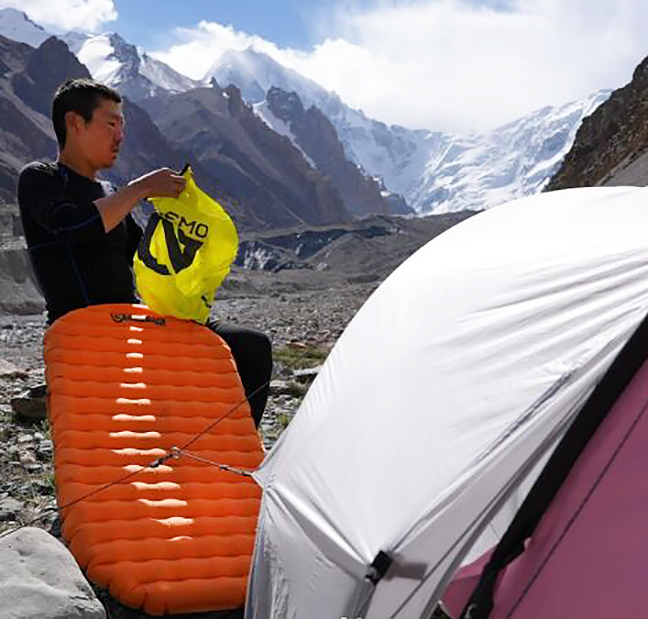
125, 386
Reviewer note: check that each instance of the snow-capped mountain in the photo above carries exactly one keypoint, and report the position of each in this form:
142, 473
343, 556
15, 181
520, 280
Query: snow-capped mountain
512, 161
434, 171
254, 73
115, 62
108, 57
15, 25
385, 152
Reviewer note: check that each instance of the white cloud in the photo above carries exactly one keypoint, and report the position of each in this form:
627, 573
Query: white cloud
453, 64
65, 15
199, 48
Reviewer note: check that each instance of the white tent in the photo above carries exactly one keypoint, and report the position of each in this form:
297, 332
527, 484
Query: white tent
436, 408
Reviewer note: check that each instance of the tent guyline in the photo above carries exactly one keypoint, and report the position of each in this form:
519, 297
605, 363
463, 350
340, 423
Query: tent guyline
178, 453
173, 453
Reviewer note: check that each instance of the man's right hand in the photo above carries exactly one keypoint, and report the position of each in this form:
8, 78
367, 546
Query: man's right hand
162, 183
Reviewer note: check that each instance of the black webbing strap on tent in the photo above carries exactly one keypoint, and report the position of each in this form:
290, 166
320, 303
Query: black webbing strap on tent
375, 573
606, 393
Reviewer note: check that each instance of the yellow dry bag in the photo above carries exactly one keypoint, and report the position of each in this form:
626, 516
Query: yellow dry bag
185, 253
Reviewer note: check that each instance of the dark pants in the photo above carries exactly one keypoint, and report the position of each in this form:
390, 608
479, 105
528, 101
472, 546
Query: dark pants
252, 352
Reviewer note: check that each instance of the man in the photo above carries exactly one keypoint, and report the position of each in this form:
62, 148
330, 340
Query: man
80, 233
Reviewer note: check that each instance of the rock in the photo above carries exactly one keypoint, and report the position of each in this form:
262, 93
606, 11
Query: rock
45, 450
9, 509
33, 467
610, 140
278, 387
39, 391
306, 375
30, 405
318, 138
40, 578
9, 370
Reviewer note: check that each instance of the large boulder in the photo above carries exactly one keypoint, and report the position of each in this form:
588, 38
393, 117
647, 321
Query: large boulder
40, 578
19, 292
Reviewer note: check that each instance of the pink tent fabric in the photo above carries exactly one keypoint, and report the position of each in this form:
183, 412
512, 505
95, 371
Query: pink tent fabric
588, 557
463, 584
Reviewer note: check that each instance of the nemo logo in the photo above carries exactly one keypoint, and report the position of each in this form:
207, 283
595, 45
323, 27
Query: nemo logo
160, 322
181, 248
195, 228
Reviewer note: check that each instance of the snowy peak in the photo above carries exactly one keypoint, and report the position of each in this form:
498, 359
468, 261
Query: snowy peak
381, 151
75, 40
254, 73
126, 55
483, 170
239, 68
113, 61
15, 25
435, 172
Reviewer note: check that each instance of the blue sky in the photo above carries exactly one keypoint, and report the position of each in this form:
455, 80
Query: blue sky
448, 65
288, 23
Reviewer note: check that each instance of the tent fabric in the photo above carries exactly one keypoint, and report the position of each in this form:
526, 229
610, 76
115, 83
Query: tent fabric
439, 404
586, 558
553, 476
124, 387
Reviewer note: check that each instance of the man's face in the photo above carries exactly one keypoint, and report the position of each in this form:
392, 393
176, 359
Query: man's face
100, 139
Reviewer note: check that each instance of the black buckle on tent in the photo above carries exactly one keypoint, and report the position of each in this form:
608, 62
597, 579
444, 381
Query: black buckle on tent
375, 573
379, 567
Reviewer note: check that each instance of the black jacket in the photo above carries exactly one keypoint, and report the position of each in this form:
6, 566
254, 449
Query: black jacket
75, 261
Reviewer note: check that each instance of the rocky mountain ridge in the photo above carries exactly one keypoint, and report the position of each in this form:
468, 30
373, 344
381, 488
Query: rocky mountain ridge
433, 171
385, 152
15, 25
316, 137
29, 78
27, 85
365, 251
256, 166
111, 60
140, 77
611, 145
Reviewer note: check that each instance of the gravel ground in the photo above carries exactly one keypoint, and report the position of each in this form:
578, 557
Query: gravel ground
303, 327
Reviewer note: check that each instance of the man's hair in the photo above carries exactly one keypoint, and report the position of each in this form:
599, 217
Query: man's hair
81, 95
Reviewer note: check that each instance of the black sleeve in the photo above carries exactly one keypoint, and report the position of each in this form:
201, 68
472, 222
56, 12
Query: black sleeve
43, 198
134, 235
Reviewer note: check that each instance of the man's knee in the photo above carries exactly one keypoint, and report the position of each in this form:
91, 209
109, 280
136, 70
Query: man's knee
256, 346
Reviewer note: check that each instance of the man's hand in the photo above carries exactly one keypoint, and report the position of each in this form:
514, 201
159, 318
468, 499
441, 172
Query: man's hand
162, 183
159, 183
